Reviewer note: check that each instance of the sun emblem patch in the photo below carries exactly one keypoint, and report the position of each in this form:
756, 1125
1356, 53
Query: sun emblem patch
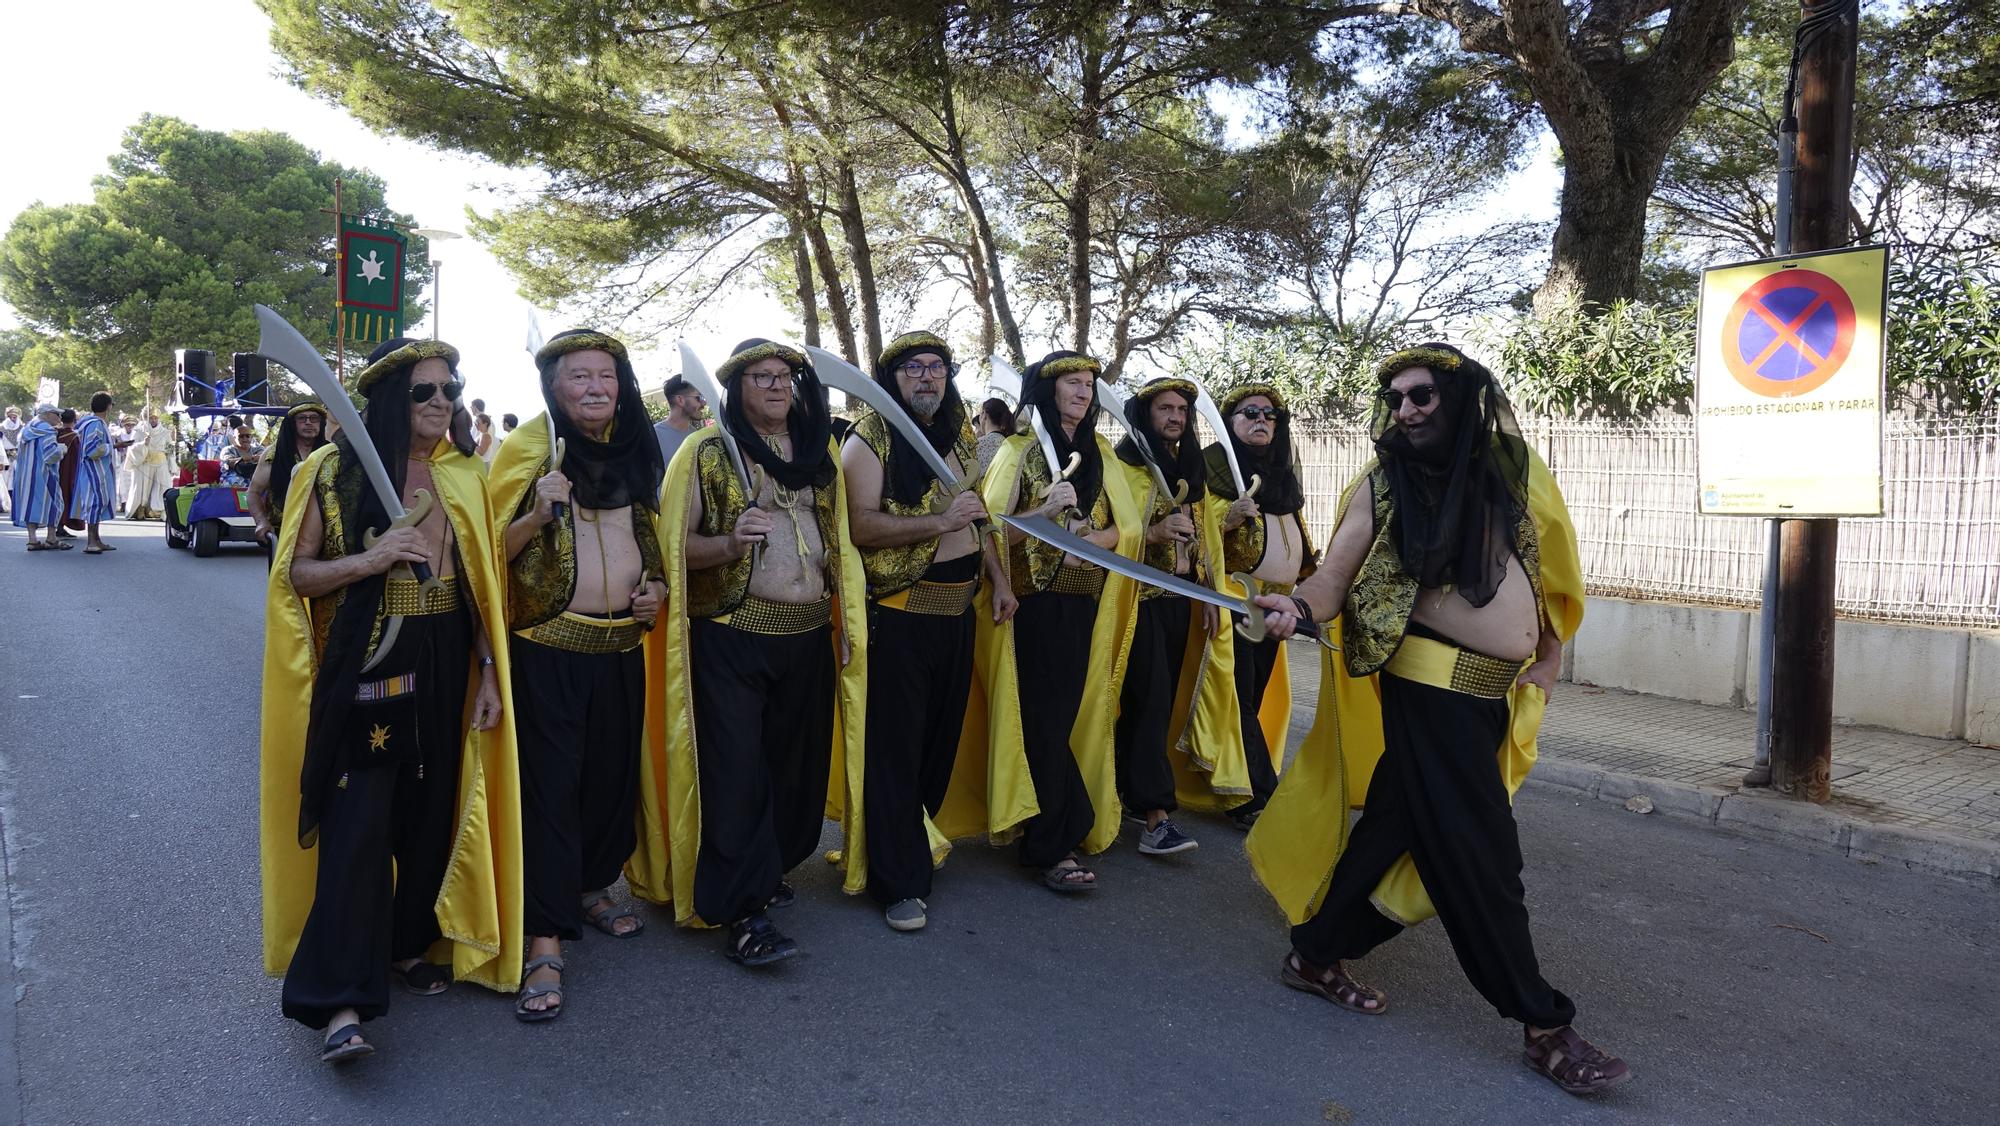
378, 738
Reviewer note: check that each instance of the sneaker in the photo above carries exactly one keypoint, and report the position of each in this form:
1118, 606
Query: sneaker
783, 897
905, 915
1165, 839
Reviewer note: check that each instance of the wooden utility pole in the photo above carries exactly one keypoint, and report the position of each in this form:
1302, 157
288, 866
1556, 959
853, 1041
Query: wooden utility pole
1802, 676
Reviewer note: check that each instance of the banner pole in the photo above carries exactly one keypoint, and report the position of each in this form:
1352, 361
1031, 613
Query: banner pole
339, 288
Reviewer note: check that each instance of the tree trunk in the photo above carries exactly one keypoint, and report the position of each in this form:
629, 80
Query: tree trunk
987, 251
802, 265
853, 224
1082, 182
836, 295
982, 296
1600, 229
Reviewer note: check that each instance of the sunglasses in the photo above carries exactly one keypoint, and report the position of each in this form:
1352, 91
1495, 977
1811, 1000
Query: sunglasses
1256, 413
1420, 395
422, 392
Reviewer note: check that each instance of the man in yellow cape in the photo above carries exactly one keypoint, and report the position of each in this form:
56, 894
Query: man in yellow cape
1179, 677
390, 816
1062, 656
1454, 567
1234, 765
580, 535
924, 556
759, 732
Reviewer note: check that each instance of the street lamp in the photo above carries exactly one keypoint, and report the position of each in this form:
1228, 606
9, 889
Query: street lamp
435, 234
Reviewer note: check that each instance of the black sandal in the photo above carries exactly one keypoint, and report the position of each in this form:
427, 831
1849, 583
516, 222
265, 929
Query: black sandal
425, 979
1069, 876
1571, 1062
1333, 983
522, 1012
607, 918
754, 941
338, 1050
785, 896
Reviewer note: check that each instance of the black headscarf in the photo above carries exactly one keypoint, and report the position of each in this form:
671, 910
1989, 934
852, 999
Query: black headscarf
1038, 394
1181, 464
810, 465
1456, 506
1277, 464
386, 417
626, 467
909, 478
285, 453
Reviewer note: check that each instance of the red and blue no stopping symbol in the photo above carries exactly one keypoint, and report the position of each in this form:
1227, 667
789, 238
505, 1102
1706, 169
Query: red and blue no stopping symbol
1789, 333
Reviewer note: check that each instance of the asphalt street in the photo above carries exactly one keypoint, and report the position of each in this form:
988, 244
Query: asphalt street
1745, 980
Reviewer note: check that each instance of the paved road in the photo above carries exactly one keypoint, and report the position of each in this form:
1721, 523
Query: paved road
1747, 981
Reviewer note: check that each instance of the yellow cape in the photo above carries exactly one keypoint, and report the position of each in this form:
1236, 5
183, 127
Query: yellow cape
516, 467
1294, 847
1093, 737
479, 904
662, 868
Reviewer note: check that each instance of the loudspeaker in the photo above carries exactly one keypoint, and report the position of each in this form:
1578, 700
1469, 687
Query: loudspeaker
194, 376
251, 372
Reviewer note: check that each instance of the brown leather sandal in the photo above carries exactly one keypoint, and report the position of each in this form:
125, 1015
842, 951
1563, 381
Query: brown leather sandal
1333, 983
1571, 1062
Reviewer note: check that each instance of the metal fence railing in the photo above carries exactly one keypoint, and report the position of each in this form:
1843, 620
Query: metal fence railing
1932, 558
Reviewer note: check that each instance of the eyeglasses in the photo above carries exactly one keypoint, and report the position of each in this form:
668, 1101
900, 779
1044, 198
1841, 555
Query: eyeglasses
422, 392
1420, 396
1256, 413
928, 371
765, 380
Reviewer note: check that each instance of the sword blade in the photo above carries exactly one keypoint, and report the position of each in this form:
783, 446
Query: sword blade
278, 340
840, 375
1205, 404
1055, 535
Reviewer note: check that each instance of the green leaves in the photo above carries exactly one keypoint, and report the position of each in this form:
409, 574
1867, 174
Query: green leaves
185, 232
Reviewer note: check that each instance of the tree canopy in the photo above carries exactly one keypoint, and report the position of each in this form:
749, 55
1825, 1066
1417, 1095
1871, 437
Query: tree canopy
186, 231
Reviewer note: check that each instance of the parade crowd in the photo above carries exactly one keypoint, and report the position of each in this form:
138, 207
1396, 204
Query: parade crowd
671, 651
62, 472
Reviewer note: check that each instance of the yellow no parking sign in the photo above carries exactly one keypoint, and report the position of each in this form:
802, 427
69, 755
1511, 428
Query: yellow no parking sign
1788, 385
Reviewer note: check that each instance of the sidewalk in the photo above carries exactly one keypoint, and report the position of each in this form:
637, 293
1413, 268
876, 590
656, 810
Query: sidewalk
1928, 803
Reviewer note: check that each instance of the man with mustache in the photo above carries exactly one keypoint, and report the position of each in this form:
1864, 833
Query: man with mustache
924, 557
769, 629
1266, 538
1453, 569
389, 800
582, 590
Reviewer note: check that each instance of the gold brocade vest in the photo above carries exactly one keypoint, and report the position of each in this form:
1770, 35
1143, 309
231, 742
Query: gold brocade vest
541, 581
1243, 545
1032, 564
334, 503
1378, 605
718, 590
1160, 556
891, 570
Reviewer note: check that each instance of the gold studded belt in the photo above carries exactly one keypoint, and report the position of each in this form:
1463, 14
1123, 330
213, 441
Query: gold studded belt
1441, 665
945, 600
1077, 580
779, 619
405, 598
585, 633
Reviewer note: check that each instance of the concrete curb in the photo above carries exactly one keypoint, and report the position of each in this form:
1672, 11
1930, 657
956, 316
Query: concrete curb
1766, 814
